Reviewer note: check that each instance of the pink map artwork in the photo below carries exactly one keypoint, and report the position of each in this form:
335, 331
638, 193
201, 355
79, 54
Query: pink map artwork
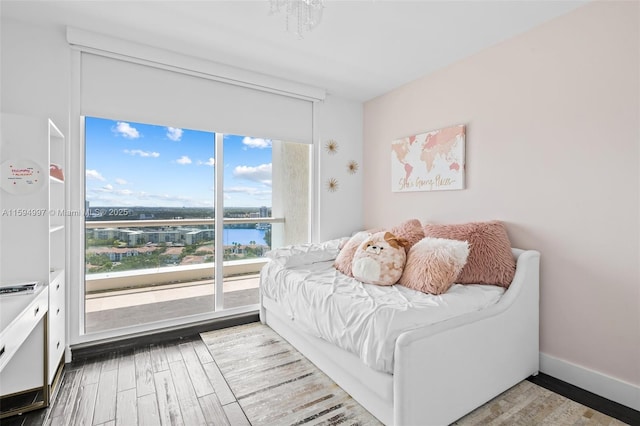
429, 161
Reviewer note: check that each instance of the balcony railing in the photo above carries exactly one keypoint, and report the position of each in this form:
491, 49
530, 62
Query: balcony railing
122, 298
92, 224
167, 274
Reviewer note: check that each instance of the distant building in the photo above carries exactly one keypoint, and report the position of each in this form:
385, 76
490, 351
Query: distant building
164, 236
197, 235
132, 238
169, 235
117, 254
106, 233
264, 211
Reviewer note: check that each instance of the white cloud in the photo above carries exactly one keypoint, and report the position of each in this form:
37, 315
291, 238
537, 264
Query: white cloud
102, 189
256, 142
210, 162
124, 197
174, 133
125, 130
121, 181
261, 173
94, 174
245, 196
183, 160
239, 189
142, 153
108, 188
175, 200
246, 190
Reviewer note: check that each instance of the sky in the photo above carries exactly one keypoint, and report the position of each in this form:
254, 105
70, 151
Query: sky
134, 164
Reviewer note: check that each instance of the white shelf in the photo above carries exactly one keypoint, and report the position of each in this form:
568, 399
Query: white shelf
55, 275
57, 254
40, 142
56, 228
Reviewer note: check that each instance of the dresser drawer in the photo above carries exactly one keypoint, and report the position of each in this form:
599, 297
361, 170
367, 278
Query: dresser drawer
57, 340
57, 290
16, 331
57, 308
57, 325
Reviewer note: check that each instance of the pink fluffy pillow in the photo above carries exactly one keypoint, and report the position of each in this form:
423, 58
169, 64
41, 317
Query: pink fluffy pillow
433, 264
345, 256
490, 259
411, 230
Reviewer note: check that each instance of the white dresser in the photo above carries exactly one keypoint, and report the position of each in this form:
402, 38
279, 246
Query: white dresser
23, 348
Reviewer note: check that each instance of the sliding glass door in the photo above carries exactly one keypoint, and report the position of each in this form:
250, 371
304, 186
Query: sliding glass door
156, 248
149, 236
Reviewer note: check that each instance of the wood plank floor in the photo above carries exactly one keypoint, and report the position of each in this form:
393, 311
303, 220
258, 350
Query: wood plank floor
178, 382
173, 383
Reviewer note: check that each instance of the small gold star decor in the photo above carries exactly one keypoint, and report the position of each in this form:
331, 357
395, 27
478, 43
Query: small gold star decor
331, 146
352, 167
332, 185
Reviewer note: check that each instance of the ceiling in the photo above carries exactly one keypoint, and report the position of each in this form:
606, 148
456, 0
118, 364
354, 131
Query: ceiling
360, 50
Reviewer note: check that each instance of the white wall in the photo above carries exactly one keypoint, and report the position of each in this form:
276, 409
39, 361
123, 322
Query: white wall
35, 66
340, 212
552, 149
35, 80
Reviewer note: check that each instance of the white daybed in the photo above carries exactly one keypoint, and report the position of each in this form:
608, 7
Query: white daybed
440, 372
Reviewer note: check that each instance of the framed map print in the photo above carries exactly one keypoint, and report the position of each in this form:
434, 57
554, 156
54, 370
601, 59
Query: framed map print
431, 161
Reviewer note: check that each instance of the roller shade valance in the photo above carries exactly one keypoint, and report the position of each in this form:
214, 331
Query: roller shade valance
125, 90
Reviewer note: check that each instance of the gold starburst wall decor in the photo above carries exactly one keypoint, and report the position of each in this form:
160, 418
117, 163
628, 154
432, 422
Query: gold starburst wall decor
331, 146
352, 167
332, 185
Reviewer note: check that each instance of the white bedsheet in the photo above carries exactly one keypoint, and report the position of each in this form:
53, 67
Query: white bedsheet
363, 318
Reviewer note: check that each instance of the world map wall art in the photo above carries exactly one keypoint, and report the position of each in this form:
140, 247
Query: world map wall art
431, 161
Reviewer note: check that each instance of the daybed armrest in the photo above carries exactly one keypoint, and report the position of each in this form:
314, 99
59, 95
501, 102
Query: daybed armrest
473, 357
526, 279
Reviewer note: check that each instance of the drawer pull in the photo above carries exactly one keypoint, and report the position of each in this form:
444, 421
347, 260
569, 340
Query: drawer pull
57, 286
35, 313
2, 351
58, 311
57, 345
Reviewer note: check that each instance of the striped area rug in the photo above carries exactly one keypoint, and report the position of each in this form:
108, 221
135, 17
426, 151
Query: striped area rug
276, 385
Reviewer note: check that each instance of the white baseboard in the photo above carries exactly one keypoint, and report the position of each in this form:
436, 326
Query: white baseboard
605, 386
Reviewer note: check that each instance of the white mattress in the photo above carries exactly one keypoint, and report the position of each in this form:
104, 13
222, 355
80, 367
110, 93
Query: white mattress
364, 319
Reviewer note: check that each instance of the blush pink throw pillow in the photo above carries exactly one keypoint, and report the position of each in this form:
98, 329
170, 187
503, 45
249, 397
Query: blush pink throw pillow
433, 264
490, 259
345, 256
411, 230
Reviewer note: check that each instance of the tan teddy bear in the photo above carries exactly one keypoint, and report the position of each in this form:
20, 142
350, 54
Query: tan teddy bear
380, 259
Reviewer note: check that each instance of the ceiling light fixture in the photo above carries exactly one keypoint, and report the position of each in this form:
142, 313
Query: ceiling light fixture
300, 15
